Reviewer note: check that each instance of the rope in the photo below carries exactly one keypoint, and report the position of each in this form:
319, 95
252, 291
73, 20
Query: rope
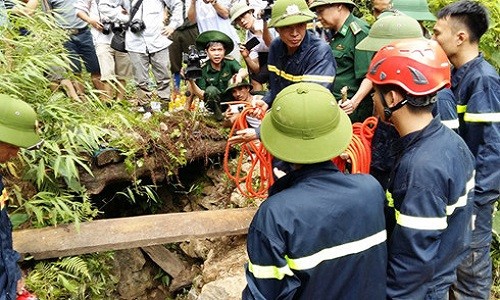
358, 152
259, 177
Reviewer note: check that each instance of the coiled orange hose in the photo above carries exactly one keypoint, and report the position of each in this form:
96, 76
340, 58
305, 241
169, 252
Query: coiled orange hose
259, 176
359, 150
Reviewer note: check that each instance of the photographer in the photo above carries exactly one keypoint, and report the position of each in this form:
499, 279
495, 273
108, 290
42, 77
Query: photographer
115, 66
256, 48
147, 42
217, 71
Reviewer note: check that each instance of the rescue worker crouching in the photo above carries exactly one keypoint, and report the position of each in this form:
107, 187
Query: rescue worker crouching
240, 94
217, 71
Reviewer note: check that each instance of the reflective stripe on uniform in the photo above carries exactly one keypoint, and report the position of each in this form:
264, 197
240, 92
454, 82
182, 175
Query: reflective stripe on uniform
478, 117
421, 223
311, 261
358, 246
452, 124
482, 117
300, 78
429, 223
461, 109
3, 198
462, 201
269, 272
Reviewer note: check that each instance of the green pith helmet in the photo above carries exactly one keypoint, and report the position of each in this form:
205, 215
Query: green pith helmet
232, 85
417, 9
390, 28
237, 10
305, 125
17, 122
214, 36
290, 12
317, 3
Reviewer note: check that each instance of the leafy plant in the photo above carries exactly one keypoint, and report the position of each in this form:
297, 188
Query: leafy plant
83, 277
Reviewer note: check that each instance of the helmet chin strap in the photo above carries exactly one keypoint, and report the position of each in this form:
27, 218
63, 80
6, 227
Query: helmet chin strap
389, 110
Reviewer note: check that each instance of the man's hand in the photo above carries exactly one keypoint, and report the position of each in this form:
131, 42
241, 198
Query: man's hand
348, 106
244, 51
167, 30
243, 136
260, 108
96, 24
20, 286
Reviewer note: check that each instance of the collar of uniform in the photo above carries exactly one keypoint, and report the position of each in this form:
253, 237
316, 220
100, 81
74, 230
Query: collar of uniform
458, 74
306, 171
345, 27
212, 70
410, 139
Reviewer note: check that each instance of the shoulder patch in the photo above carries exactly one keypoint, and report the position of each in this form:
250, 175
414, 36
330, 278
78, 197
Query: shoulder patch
229, 57
355, 28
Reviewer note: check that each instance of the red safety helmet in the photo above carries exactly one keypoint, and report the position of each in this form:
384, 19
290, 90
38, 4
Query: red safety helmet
418, 66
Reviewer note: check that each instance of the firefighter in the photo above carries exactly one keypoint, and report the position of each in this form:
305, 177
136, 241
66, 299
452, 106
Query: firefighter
428, 209
321, 233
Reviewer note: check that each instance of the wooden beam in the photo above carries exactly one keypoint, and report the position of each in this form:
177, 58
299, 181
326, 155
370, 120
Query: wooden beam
133, 232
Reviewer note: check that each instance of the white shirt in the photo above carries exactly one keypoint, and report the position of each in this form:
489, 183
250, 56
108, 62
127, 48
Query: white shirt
151, 12
90, 8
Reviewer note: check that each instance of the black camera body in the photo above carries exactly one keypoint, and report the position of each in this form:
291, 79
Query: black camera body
137, 26
117, 27
107, 27
266, 12
193, 60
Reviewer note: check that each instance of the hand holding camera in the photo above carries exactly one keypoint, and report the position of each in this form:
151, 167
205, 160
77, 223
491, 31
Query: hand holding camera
193, 60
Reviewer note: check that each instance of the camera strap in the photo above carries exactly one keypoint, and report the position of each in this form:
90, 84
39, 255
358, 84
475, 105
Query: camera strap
135, 9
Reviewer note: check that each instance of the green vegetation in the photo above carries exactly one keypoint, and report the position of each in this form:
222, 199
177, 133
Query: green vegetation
45, 184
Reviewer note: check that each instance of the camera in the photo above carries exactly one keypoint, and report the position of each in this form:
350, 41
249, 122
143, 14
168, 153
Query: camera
107, 27
193, 60
117, 27
137, 26
266, 12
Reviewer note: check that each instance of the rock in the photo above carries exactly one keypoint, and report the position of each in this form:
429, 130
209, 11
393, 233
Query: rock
134, 275
228, 288
227, 259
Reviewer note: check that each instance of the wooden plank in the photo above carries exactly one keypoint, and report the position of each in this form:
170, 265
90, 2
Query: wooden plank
133, 232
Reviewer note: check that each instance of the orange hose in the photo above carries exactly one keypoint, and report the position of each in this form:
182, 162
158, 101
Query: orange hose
359, 150
259, 177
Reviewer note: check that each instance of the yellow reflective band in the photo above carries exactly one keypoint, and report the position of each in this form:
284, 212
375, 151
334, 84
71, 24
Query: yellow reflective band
390, 200
462, 201
482, 117
269, 272
300, 78
3, 198
358, 246
461, 109
421, 223
452, 124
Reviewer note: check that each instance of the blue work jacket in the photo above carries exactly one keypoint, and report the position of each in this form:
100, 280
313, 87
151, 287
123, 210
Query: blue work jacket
9, 270
476, 86
320, 235
429, 212
312, 62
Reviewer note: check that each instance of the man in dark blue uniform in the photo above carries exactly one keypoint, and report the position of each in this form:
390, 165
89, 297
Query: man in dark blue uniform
297, 55
17, 129
429, 208
475, 86
321, 233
